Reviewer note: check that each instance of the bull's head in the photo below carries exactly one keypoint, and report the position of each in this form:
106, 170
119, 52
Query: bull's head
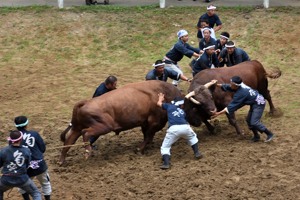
199, 104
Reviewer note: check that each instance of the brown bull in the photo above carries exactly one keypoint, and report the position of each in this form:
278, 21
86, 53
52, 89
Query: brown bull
252, 73
125, 108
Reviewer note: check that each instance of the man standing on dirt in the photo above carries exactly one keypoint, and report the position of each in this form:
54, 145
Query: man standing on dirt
178, 128
212, 18
180, 49
244, 95
15, 160
38, 167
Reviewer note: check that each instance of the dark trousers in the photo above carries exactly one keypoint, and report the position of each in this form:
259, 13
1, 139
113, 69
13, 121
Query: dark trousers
254, 115
29, 187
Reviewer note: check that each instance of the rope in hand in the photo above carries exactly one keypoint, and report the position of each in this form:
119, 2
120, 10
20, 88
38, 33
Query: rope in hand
72, 145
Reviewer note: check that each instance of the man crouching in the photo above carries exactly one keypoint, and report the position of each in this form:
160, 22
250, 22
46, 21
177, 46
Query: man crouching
178, 127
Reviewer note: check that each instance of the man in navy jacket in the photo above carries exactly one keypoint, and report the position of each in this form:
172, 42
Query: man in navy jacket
109, 84
176, 53
38, 167
244, 95
14, 160
206, 60
232, 55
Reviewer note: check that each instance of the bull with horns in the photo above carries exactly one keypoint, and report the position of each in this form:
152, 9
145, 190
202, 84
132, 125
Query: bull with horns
252, 73
133, 105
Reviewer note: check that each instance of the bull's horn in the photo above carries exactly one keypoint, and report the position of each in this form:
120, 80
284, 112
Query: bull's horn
189, 95
207, 85
195, 101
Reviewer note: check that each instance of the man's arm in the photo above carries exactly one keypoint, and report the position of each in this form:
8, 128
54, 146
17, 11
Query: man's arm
218, 27
184, 78
218, 23
161, 98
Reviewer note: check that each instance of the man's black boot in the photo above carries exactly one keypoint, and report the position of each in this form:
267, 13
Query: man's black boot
25, 196
270, 135
166, 162
197, 153
256, 136
47, 197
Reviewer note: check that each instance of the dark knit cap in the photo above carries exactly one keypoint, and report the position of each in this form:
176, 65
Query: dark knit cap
236, 79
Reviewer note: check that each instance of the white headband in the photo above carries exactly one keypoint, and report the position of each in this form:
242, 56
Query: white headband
236, 83
206, 29
21, 125
211, 7
209, 47
230, 46
159, 64
227, 38
178, 103
15, 140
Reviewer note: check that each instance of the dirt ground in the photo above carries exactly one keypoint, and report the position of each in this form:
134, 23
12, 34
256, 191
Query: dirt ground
47, 64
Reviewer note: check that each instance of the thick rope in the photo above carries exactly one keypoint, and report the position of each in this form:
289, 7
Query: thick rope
72, 145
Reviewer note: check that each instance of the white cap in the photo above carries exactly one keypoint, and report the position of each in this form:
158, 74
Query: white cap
182, 33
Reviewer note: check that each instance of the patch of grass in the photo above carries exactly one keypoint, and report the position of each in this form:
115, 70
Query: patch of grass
82, 45
34, 8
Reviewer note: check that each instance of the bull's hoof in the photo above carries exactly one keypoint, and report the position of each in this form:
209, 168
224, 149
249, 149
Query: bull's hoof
139, 151
87, 154
61, 163
241, 133
213, 131
276, 113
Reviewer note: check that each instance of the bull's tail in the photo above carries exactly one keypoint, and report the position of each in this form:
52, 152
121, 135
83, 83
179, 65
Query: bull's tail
63, 134
74, 121
275, 73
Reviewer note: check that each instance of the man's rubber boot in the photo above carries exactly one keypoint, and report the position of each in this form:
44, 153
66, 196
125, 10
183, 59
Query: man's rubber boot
25, 196
256, 136
166, 162
197, 153
270, 135
47, 197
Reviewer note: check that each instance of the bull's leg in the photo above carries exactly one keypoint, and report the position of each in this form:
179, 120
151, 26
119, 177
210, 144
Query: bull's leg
94, 131
149, 133
69, 141
142, 146
267, 96
210, 127
88, 148
233, 122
